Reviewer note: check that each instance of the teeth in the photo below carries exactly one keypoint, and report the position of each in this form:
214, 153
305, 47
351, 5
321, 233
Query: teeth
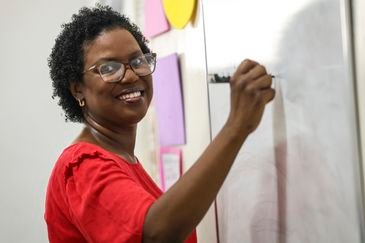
131, 95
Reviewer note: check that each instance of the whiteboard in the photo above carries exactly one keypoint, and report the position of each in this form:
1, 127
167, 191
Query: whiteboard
297, 177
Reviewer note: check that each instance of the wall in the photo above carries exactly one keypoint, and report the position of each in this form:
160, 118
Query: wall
33, 131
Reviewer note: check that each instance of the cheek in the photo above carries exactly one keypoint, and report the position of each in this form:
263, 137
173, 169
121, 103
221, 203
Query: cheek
151, 91
97, 94
150, 94
95, 87
149, 83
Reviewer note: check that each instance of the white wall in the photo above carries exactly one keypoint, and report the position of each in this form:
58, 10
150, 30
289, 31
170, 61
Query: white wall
32, 131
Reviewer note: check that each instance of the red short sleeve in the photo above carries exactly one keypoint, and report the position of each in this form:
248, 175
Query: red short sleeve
106, 204
96, 196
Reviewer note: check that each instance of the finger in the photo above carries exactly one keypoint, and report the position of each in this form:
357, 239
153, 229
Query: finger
245, 66
256, 72
262, 82
267, 95
253, 84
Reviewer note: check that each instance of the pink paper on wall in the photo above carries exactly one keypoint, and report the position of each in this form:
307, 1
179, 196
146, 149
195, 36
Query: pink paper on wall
168, 101
155, 20
170, 166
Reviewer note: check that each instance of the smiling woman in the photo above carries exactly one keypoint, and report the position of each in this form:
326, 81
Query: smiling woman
126, 92
99, 192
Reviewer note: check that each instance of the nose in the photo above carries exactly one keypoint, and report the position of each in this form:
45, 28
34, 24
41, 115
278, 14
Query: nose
129, 76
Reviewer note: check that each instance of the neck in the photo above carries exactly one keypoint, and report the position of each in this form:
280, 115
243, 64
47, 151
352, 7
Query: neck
120, 141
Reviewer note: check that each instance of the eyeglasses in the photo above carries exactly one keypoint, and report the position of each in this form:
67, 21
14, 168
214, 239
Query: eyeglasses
113, 71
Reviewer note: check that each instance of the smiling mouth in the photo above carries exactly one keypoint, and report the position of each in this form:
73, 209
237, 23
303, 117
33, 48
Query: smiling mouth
131, 97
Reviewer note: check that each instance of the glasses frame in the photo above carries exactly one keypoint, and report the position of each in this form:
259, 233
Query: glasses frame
127, 64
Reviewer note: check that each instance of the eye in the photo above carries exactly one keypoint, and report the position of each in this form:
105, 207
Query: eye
139, 61
109, 67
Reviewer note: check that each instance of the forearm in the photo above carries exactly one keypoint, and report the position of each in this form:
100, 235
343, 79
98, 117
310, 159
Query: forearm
181, 208
174, 215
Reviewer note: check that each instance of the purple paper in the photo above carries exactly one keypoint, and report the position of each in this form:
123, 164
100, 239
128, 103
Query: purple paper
155, 19
168, 101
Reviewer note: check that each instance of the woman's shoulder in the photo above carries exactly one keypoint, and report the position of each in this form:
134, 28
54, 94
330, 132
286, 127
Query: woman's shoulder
79, 151
77, 154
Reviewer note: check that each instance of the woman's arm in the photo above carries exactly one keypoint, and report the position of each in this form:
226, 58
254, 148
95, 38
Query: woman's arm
175, 214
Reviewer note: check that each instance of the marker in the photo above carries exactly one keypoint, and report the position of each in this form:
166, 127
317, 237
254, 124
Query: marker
216, 78
220, 79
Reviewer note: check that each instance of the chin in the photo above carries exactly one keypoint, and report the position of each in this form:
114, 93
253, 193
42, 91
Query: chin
134, 119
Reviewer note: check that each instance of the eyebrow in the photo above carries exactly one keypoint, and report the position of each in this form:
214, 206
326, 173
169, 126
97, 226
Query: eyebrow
106, 59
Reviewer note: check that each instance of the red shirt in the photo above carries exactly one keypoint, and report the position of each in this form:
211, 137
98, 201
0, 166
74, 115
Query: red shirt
95, 196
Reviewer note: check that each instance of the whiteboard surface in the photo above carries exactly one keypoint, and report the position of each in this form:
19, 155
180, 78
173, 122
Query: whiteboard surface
296, 179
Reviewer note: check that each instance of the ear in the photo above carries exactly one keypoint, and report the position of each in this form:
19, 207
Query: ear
76, 89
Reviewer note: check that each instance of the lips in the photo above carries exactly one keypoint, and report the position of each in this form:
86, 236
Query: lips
131, 95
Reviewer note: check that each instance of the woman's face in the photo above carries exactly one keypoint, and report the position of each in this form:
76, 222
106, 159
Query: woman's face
122, 103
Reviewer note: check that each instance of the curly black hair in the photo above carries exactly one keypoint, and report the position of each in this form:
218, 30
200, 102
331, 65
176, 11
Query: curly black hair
66, 61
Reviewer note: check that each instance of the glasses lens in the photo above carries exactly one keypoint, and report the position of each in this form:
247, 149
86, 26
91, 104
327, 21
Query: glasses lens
111, 71
144, 65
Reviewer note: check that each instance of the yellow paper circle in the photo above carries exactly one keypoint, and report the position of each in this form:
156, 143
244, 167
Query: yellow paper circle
179, 12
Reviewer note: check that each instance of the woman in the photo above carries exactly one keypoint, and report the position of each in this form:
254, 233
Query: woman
98, 192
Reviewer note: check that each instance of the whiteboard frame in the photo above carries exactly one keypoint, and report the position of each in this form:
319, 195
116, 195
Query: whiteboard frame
356, 8
348, 38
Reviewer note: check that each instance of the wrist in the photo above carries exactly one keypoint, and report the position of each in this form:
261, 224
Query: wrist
235, 132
